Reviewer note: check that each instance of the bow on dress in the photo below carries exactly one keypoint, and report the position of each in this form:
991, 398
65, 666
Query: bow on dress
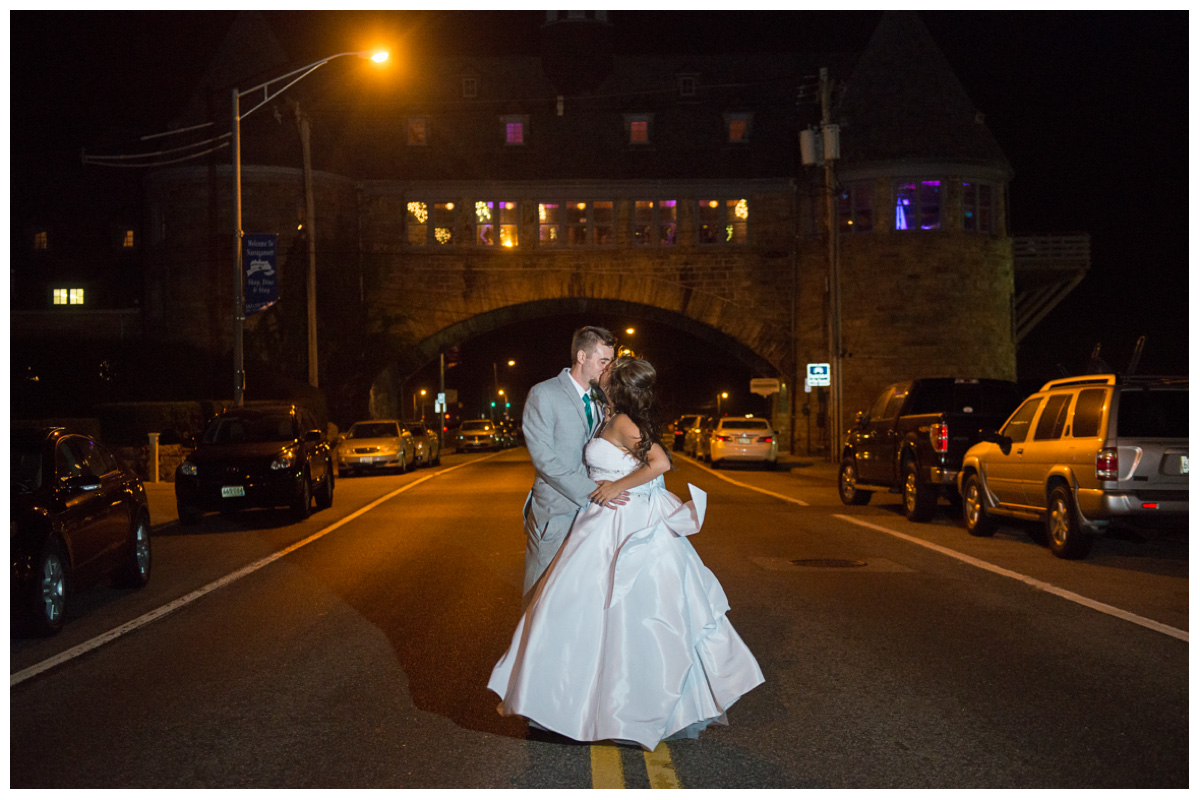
685, 520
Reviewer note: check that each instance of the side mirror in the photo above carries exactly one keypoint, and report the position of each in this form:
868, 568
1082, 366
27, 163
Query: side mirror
87, 482
314, 436
1004, 442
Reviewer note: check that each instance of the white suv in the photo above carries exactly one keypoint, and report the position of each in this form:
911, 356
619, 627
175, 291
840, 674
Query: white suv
1080, 455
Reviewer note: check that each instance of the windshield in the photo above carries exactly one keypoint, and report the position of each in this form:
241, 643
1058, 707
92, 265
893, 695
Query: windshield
1153, 414
26, 465
250, 430
744, 424
372, 430
477, 426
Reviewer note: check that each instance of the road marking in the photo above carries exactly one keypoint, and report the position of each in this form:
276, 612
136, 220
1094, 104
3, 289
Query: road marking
660, 768
1095, 605
727, 479
606, 767
175, 605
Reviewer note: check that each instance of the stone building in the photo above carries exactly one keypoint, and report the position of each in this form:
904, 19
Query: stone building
673, 188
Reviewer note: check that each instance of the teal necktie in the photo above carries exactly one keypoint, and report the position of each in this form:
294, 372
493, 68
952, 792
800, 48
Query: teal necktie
587, 409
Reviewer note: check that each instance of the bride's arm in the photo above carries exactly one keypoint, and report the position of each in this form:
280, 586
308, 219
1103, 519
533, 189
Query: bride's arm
628, 436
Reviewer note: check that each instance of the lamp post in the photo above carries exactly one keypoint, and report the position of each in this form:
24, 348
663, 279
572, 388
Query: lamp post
720, 397
239, 289
420, 394
496, 375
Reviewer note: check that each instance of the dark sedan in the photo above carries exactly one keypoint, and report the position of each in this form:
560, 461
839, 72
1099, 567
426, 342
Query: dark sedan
78, 516
256, 457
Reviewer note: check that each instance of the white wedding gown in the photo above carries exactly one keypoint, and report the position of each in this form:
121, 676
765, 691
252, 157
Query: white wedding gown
625, 637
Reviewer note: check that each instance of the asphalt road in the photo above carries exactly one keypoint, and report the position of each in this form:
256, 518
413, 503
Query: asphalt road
359, 658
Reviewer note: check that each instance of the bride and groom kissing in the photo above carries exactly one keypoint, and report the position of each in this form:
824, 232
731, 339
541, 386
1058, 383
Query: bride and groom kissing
623, 636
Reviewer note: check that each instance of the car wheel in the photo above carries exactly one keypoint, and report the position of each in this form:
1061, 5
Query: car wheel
187, 514
437, 460
920, 501
848, 485
135, 571
1063, 533
48, 605
325, 495
716, 464
302, 506
975, 516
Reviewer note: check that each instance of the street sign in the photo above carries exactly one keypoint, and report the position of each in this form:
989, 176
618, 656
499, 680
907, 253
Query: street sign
764, 386
818, 375
262, 279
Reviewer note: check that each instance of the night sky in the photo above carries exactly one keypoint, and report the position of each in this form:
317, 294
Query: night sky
1090, 108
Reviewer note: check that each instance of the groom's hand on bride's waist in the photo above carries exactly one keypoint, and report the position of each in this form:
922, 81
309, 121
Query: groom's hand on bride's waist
605, 496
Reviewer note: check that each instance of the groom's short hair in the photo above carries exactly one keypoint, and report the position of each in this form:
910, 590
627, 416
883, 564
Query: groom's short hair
588, 338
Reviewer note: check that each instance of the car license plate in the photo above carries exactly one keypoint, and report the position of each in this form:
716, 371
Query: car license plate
233, 491
743, 440
1183, 465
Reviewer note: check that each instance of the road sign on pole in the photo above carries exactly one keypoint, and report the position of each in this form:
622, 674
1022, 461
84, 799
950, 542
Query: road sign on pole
818, 375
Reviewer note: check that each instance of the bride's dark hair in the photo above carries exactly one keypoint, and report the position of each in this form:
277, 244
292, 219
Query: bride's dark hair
631, 392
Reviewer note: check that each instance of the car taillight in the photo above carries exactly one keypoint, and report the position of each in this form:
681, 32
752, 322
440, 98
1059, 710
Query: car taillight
1106, 464
721, 438
766, 439
939, 437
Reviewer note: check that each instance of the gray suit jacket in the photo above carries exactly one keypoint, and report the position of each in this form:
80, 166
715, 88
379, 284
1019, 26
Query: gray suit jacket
556, 431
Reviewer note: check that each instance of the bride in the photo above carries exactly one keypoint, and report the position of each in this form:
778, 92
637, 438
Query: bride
625, 637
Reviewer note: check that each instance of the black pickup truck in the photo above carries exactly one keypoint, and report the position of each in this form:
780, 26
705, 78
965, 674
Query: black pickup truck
913, 438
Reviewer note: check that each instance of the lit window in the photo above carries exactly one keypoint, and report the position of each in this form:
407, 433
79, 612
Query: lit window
470, 87
515, 129
576, 212
417, 223
637, 127
64, 297
496, 223
587, 222
417, 131
737, 128
977, 207
39, 240
549, 224
603, 217
654, 222
443, 223
724, 221
855, 207
127, 238
918, 205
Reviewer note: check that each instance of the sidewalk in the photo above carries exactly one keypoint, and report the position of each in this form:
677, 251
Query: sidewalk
161, 496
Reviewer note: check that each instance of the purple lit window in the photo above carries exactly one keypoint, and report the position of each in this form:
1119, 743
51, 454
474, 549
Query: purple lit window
918, 205
514, 133
653, 223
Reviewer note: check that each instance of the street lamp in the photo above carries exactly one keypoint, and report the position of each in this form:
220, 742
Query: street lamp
420, 394
721, 396
239, 289
496, 374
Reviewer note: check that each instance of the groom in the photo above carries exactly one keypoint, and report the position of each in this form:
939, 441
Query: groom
560, 416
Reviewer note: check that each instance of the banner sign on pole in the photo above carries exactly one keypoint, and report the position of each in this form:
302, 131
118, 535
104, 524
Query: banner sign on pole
764, 386
262, 278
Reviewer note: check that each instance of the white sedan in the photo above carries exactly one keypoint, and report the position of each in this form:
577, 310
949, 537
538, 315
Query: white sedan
743, 439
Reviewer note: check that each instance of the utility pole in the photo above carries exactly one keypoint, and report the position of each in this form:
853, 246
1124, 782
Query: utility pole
830, 151
310, 229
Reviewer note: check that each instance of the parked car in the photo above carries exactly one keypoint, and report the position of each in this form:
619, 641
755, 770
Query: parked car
77, 516
913, 437
477, 434
1082, 455
376, 444
697, 430
743, 439
256, 456
426, 443
703, 444
680, 427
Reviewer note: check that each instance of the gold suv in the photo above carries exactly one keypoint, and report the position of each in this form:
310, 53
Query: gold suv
1081, 455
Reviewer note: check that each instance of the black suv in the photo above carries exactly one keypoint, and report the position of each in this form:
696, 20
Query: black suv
258, 456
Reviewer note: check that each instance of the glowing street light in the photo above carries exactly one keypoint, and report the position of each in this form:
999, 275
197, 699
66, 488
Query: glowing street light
720, 397
239, 291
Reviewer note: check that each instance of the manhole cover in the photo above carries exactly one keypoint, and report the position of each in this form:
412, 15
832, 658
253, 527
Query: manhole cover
828, 562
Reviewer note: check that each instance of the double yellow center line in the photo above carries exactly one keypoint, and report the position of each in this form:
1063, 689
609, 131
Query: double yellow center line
607, 772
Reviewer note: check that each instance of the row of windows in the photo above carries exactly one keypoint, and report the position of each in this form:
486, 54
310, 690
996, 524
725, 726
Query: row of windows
67, 297
917, 205
571, 223
124, 239
639, 129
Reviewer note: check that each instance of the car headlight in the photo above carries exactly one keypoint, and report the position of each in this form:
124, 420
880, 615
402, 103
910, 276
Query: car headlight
189, 469
286, 461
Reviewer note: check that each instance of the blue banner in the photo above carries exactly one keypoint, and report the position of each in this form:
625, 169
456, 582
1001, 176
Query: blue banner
262, 278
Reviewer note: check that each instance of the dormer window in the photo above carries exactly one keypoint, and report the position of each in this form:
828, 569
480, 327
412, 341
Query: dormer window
687, 85
418, 131
737, 128
470, 87
40, 240
637, 128
515, 128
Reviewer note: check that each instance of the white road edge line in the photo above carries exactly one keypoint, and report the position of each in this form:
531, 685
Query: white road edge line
716, 474
1095, 605
175, 605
